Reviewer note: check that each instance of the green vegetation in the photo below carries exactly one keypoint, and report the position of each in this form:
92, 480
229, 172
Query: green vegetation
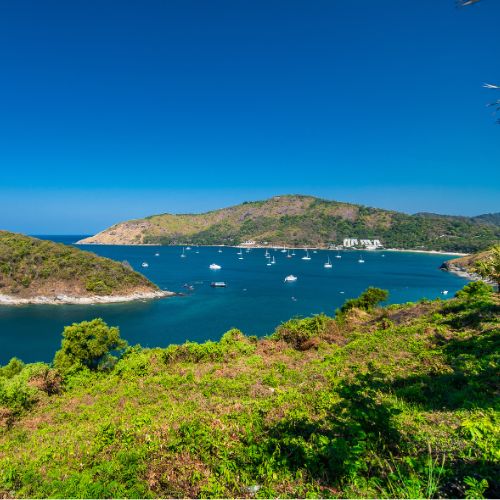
307, 221
399, 402
489, 266
31, 267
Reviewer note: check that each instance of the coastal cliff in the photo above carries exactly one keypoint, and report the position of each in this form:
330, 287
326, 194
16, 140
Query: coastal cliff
300, 221
34, 271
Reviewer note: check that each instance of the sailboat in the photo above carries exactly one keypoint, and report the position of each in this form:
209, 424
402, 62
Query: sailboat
306, 256
338, 256
283, 250
220, 250
183, 254
288, 255
293, 253
273, 261
328, 264
266, 255
361, 260
240, 254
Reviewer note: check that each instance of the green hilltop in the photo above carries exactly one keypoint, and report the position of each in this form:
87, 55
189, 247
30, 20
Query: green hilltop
395, 402
30, 267
296, 220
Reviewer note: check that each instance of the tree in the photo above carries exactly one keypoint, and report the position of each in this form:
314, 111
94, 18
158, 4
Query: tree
89, 344
489, 268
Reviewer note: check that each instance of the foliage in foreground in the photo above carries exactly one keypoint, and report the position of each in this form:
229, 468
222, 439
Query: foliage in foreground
394, 402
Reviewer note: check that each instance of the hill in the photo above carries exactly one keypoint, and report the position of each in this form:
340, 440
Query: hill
38, 271
400, 402
295, 220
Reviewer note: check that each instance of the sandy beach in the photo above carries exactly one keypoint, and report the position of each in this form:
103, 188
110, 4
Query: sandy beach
10, 300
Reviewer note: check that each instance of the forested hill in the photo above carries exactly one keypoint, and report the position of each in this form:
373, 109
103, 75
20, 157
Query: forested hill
296, 220
30, 267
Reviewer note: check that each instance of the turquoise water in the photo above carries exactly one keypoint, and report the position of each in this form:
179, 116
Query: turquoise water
255, 300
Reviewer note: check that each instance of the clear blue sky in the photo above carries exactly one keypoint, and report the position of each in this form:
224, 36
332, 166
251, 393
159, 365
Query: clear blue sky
112, 110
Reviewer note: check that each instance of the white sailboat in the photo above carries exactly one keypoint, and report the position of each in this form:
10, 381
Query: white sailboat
306, 256
283, 250
361, 260
145, 264
290, 278
273, 261
338, 256
288, 256
183, 254
214, 267
328, 264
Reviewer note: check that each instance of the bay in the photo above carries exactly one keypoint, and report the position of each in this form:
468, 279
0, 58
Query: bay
255, 300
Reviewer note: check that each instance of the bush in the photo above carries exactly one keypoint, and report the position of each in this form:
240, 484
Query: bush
88, 344
14, 367
297, 331
475, 290
370, 298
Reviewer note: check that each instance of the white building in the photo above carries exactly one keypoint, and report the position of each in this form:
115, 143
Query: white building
368, 244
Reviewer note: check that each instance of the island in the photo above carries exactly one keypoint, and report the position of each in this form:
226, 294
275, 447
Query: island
307, 221
34, 271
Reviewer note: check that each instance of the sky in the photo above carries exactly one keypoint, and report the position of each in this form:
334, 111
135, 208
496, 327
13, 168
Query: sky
111, 110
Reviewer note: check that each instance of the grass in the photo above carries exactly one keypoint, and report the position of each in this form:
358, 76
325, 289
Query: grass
400, 402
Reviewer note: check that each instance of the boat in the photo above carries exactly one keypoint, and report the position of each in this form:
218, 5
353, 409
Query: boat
361, 260
293, 252
315, 251
290, 278
283, 250
145, 264
269, 263
157, 254
220, 250
215, 267
266, 255
328, 264
444, 292
338, 256
183, 254
273, 261
188, 248
218, 284
288, 256
306, 256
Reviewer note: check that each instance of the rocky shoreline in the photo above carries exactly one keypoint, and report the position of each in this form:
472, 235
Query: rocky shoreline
62, 299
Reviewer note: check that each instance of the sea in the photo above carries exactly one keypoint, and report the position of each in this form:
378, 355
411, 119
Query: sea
255, 300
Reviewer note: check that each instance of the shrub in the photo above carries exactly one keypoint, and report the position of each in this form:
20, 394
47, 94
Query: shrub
475, 290
297, 331
89, 344
370, 298
14, 367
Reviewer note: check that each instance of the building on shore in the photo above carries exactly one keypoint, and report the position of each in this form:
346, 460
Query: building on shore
362, 243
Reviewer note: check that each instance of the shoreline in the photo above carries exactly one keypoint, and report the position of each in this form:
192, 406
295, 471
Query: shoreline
62, 299
271, 247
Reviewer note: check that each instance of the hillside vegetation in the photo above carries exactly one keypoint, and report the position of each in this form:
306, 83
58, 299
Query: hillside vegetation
306, 221
31, 267
398, 402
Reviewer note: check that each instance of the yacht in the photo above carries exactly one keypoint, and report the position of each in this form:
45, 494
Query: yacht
290, 278
214, 267
218, 284
338, 256
328, 264
445, 292
361, 260
188, 248
288, 256
283, 250
220, 250
183, 254
306, 256
157, 254
266, 255
273, 261
145, 264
